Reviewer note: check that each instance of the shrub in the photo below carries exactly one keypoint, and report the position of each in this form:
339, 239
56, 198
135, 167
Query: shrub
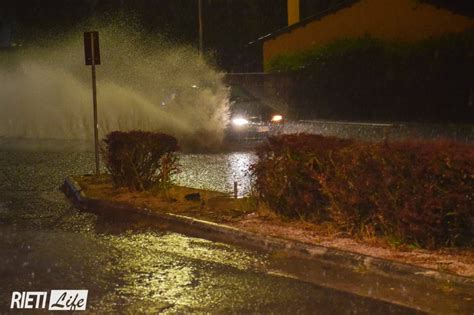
283, 180
411, 191
140, 160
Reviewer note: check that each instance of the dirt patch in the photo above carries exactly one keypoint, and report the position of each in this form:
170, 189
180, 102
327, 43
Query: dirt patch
203, 204
244, 214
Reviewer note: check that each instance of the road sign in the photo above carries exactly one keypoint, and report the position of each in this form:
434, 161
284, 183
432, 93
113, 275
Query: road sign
92, 54
91, 47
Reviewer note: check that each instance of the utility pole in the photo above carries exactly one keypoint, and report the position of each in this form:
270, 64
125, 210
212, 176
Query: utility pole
200, 27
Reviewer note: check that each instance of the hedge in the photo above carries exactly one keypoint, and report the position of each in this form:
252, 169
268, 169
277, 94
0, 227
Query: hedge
140, 160
417, 192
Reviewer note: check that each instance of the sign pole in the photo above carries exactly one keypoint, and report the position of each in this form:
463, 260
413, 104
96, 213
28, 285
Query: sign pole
200, 27
94, 101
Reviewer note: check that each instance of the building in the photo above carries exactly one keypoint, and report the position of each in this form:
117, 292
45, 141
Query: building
394, 20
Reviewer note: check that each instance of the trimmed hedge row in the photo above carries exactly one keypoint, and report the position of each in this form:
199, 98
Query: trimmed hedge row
412, 192
140, 160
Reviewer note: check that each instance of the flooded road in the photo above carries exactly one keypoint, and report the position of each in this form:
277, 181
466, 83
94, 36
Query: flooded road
373, 131
131, 267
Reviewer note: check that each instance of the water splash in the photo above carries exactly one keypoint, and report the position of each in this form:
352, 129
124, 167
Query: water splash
143, 83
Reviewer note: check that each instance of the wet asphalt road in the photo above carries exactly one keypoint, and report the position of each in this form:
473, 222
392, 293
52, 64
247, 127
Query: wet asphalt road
131, 267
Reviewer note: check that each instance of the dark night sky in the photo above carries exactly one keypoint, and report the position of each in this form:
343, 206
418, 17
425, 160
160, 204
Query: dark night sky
228, 24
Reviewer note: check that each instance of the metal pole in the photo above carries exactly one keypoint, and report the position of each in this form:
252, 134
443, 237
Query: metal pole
235, 190
200, 28
94, 101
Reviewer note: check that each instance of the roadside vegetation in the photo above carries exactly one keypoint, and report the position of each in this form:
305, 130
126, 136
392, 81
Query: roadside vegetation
411, 201
419, 193
141, 160
140, 168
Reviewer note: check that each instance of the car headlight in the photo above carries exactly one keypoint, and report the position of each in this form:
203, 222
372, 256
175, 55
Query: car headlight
240, 121
277, 118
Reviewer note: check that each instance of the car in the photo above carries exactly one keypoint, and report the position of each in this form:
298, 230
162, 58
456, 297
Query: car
250, 118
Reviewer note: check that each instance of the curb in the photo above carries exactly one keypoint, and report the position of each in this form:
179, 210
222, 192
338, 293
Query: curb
270, 243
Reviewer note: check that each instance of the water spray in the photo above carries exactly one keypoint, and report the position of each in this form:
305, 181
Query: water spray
146, 83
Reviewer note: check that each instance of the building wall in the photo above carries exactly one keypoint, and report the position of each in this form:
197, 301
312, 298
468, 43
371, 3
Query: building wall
293, 11
397, 20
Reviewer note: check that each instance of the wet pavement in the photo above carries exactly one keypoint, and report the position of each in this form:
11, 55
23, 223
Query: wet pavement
380, 131
133, 267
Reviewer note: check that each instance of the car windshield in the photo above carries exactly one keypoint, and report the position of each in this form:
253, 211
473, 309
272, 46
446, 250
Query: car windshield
244, 104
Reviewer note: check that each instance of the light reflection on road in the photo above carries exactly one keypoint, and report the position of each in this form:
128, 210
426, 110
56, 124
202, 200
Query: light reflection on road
239, 168
217, 171
132, 267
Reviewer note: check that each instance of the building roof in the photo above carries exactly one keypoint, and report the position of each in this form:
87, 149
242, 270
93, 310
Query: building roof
463, 7
341, 5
